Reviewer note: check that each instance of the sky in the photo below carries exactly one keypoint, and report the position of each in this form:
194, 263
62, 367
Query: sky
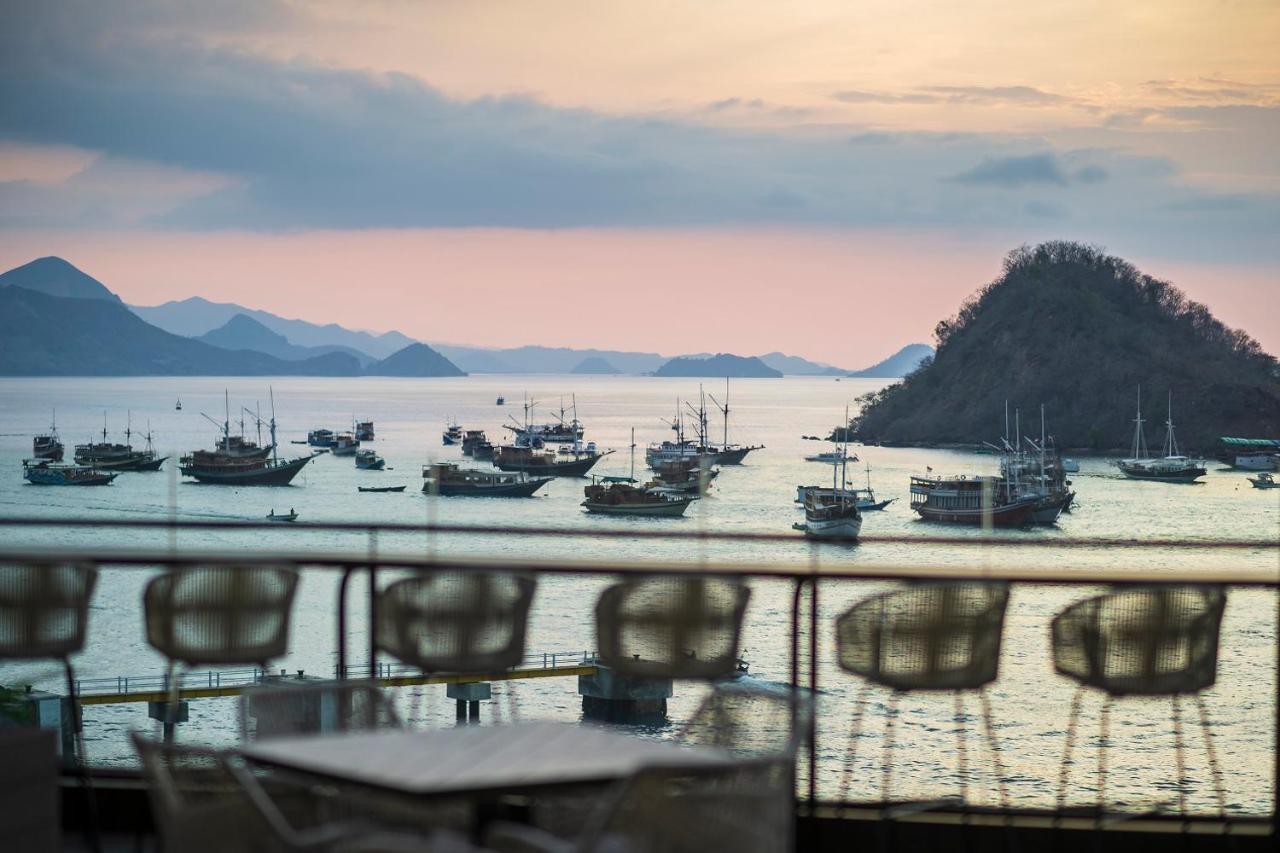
828, 179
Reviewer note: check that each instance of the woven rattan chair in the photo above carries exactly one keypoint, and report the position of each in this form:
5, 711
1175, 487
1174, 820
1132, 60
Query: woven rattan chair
44, 615
1149, 641
926, 637
219, 615
671, 627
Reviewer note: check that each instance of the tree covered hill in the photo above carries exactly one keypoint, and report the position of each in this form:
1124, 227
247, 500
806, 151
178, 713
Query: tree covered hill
1070, 327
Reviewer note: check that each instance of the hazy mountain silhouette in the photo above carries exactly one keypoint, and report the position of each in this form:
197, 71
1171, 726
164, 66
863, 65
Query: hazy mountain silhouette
794, 365
595, 365
720, 365
56, 277
900, 364
244, 332
415, 360
1077, 330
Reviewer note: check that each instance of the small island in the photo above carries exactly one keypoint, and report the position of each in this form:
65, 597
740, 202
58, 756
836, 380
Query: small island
719, 366
594, 365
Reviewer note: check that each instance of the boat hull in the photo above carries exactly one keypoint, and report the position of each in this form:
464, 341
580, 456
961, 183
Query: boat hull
280, 474
38, 478
380, 489
734, 456
569, 468
835, 528
1185, 475
1009, 515
665, 509
504, 490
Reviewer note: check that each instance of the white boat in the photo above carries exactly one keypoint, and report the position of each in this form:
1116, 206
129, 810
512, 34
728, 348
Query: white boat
1258, 461
1071, 466
1264, 481
834, 515
832, 457
1172, 467
345, 444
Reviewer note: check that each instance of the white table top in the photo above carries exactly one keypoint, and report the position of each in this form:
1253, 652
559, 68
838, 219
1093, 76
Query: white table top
477, 758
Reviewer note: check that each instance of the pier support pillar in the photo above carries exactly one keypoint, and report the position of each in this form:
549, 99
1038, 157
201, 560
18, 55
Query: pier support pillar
42, 710
469, 695
610, 697
169, 714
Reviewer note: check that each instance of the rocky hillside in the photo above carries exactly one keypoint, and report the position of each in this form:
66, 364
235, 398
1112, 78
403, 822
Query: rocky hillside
1077, 330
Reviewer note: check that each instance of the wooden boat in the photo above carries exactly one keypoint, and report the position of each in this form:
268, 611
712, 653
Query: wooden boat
232, 469
970, 500
573, 461
452, 434
178, 407
290, 516
364, 431
470, 439
48, 473
561, 432
1171, 468
110, 456
833, 515
483, 451
345, 444
1033, 468
320, 438
380, 488
447, 479
683, 477
621, 495
368, 460
48, 446
501, 401
726, 453
1264, 481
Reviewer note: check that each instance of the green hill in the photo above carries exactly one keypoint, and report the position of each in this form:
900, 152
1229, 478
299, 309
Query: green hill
1077, 330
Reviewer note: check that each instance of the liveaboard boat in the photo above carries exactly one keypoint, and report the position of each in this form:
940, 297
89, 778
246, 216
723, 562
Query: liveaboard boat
364, 431
1172, 467
683, 476
320, 438
48, 473
726, 453
110, 456
48, 446
573, 461
621, 496
369, 460
561, 432
1264, 481
864, 498
452, 434
981, 500
470, 439
224, 466
1035, 469
831, 457
448, 479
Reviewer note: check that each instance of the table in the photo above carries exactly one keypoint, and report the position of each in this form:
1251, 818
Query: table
477, 760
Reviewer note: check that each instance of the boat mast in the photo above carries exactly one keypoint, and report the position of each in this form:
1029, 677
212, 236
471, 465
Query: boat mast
275, 456
128, 428
104, 426
633, 454
1171, 443
1139, 443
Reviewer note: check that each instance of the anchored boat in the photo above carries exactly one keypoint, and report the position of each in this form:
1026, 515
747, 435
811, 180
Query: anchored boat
110, 456
368, 460
621, 495
47, 473
971, 500
227, 468
1172, 467
1264, 481
834, 515
48, 446
452, 434
447, 479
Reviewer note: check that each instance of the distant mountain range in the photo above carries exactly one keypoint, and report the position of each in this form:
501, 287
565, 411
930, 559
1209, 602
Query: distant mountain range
58, 321
719, 365
233, 327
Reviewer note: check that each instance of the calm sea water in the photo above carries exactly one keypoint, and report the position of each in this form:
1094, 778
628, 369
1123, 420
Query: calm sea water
1029, 702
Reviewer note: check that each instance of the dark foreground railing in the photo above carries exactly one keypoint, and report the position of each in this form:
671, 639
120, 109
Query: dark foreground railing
822, 571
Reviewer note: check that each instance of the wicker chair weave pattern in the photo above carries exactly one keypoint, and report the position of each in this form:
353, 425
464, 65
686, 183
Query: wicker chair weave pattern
44, 609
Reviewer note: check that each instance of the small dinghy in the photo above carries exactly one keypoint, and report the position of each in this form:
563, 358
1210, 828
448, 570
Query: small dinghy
381, 488
291, 516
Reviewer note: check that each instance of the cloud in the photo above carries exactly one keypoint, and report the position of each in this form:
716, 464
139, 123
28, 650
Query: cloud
972, 95
1012, 172
855, 96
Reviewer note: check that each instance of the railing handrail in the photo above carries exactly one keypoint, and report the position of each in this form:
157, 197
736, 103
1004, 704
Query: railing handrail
629, 533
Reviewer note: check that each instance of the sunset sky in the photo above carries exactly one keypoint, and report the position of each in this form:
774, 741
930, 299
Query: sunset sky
825, 178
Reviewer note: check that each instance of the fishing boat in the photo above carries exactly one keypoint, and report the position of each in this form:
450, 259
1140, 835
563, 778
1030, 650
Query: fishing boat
380, 488
289, 516
1264, 481
227, 468
364, 431
621, 496
111, 456
1172, 467
320, 438
573, 461
368, 460
977, 500
452, 434
470, 439
865, 499
831, 457
345, 444
178, 407
48, 446
833, 516
501, 401
47, 473
447, 479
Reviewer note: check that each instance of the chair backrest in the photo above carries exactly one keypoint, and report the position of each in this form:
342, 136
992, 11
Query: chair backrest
220, 614
748, 721
44, 609
1150, 640
671, 627
281, 710
197, 804
933, 636
470, 622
